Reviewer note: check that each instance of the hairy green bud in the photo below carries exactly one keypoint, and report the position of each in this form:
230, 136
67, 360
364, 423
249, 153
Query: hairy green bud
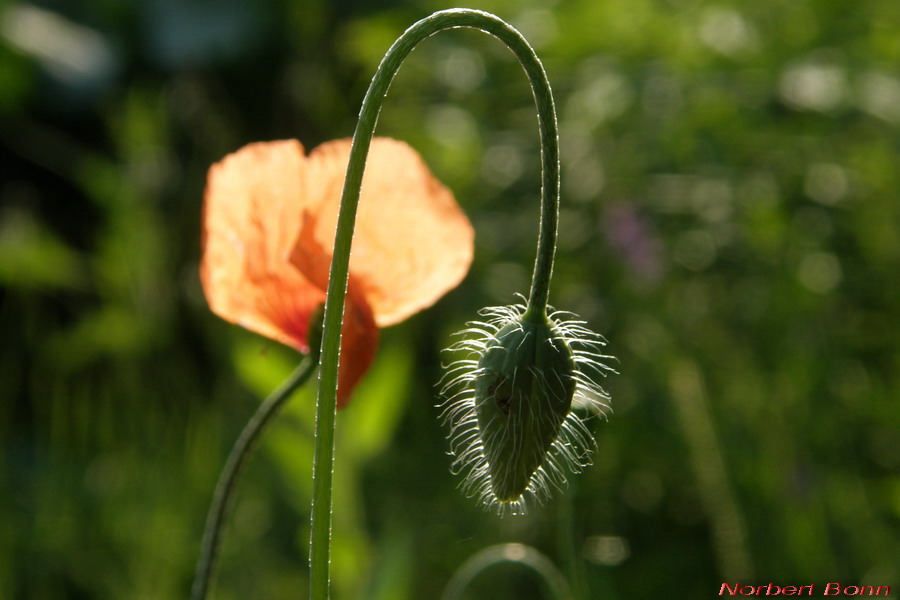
523, 392
512, 399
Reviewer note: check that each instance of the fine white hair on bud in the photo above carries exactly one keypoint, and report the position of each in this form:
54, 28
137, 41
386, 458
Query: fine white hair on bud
516, 401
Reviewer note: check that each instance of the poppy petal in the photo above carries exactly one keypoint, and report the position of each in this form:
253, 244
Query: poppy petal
253, 209
359, 342
412, 242
359, 333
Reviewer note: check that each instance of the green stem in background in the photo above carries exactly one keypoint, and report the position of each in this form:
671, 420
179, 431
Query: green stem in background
708, 461
323, 462
512, 553
224, 494
569, 547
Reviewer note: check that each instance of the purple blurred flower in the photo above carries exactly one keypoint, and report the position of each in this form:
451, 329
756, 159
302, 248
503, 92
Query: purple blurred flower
632, 238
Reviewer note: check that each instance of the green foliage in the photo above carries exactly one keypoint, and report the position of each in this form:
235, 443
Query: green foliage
730, 223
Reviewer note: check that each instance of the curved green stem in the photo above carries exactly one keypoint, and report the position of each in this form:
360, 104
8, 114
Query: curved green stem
514, 553
227, 484
323, 462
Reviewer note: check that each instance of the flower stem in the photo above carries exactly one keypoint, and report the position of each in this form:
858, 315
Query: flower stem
323, 462
222, 497
511, 553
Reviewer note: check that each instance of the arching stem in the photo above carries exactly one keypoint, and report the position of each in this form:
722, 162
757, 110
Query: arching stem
526, 556
323, 462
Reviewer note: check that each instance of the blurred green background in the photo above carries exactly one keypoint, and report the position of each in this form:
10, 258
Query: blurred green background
730, 223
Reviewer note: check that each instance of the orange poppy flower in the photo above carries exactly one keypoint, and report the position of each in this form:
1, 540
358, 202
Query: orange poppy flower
269, 220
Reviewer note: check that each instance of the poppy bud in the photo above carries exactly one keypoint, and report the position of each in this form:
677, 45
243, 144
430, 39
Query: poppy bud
523, 392
517, 400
